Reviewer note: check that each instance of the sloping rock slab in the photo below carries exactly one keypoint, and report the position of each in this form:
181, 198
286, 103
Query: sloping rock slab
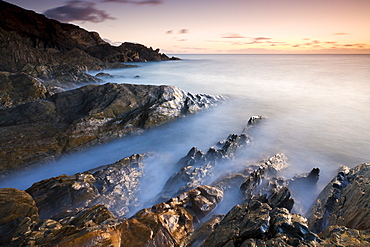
89, 115
344, 201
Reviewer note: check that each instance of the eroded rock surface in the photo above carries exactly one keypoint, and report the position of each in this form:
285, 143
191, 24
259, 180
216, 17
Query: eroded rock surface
18, 212
344, 201
42, 130
197, 167
116, 186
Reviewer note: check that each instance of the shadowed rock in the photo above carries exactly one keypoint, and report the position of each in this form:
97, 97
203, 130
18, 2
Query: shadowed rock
344, 201
18, 212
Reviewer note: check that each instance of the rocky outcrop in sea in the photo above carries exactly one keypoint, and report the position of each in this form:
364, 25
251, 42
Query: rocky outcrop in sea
90, 208
39, 131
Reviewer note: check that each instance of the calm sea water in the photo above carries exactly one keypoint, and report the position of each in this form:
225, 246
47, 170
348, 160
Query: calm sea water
316, 109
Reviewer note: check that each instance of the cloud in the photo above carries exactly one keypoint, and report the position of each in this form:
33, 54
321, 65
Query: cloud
169, 32
183, 31
112, 43
232, 36
261, 38
77, 10
182, 40
340, 33
140, 2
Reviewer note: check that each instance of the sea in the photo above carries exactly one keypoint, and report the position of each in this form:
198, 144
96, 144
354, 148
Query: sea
315, 109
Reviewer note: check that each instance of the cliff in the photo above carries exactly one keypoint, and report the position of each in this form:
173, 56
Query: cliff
28, 38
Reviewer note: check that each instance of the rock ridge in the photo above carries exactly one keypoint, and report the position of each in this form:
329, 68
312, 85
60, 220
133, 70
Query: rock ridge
42, 130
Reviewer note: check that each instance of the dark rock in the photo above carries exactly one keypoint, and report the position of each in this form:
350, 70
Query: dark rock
87, 116
344, 201
197, 168
203, 232
59, 52
18, 212
116, 186
19, 88
104, 75
261, 180
261, 222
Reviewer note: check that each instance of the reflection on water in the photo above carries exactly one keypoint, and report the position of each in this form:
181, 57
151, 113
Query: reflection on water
316, 109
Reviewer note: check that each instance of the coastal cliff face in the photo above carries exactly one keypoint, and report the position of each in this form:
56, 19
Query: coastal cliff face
30, 39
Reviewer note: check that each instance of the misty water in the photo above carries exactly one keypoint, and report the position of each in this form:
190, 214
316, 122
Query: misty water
316, 109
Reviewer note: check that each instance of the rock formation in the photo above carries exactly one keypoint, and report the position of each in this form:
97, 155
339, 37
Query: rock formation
42, 130
88, 208
31, 39
344, 201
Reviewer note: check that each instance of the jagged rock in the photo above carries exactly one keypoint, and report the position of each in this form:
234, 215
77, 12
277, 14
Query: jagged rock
254, 120
261, 180
344, 201
18, 212
261, 222
89, 115
19, 88
343, 236
116, 186
197, 167
304, 182
203, 232
169, 223
95, 226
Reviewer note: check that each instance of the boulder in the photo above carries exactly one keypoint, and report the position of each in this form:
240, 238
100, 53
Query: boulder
344, 201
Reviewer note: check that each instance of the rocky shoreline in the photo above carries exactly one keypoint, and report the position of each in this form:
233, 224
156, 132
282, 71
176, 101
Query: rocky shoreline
50, 106
90, 208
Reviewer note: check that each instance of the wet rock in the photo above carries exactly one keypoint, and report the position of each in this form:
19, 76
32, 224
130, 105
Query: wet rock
104, 75
197, 168
203, 232
18, 212
344, 201
116, 186
170, 223
92, 227
261, 222
254, 120
261, 181
87, 116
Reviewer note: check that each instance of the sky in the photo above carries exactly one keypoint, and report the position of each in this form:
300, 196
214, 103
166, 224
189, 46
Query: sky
220, 26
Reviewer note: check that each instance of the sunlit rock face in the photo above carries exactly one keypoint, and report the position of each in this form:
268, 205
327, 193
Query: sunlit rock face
344, 201
41, 130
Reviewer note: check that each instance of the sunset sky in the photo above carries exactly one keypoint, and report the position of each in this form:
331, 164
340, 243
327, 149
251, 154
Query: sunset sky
220, 26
